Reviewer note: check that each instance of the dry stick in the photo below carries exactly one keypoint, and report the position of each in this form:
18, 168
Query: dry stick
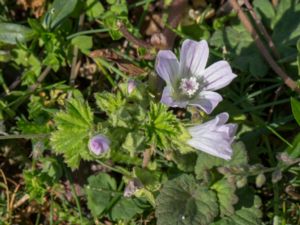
7, 192
40, 79
262, 29
263, 50
74, 70
13, 196
176, 11
275, 2
21, 201
32, 87
132, 38
175, 14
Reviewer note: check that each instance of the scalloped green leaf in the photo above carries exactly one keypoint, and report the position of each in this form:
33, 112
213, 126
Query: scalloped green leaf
206, 162
183, 201
226, 196
246, 215
74, 126
100, 191
126, 209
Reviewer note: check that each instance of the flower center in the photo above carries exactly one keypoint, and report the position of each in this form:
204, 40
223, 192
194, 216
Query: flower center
189, 86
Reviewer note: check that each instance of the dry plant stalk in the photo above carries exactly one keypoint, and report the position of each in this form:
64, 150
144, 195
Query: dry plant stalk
263, 50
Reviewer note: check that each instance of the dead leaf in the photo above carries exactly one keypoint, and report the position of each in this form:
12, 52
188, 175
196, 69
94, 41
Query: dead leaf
37, 6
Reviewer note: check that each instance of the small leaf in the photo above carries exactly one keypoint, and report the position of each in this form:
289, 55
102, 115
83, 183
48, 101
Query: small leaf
296, 109
149, 179
226, 197
94, 9
184, 202
134, 142
59, 11
84, 43
13, 33
100, 191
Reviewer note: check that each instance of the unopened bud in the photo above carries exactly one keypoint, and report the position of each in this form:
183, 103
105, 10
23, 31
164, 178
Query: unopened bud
99, 144
241, 182
260, 180
132, 186
276, 176
131, 86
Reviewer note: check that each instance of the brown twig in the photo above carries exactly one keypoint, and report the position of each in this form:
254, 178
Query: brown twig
176, 11
40, 79
7, 193
132, 38
263, 50
21, 201
262, 29
165, 39
275, 3
74, 70
13, 196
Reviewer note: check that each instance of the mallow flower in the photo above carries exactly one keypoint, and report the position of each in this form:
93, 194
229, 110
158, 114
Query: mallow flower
99, 144
214, 136
188, 82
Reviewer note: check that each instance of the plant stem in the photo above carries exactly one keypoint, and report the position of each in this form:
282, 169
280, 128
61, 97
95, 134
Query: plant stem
103, 30
115, 169
69, 177
132, 38
23, 136
74, 67
275, 185
262, 29
40, 79
263, 50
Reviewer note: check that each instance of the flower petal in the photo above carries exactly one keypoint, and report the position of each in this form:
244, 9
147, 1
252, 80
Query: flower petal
166, 96
167, 66
167, 99
229, 130
222, 118
193, 58
218, 75
213, 146
98, 144
207, 101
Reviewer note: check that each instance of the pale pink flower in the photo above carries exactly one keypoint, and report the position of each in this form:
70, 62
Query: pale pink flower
188, 82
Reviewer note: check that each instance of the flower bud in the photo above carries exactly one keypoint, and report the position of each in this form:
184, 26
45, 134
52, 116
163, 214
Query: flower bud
260, 180
132, 186
99, 144
241, 182
131, 86
276, 176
